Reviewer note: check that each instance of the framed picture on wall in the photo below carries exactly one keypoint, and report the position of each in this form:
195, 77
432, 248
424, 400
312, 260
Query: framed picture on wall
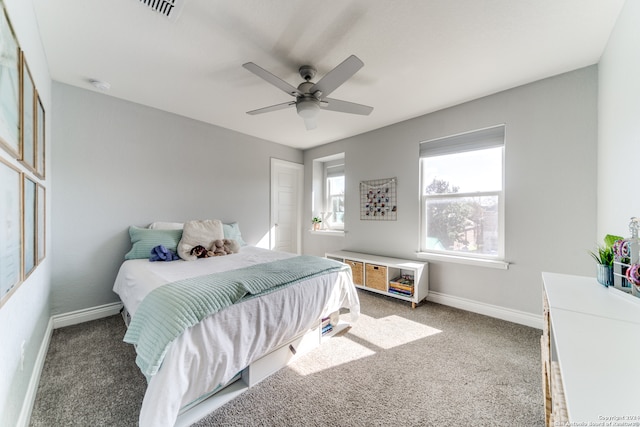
9, 88
27, 117
41, 204
10, 230
29, 225
40, 139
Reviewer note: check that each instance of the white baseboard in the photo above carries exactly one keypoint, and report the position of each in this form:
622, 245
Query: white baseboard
515, 316
34, 381
86, 315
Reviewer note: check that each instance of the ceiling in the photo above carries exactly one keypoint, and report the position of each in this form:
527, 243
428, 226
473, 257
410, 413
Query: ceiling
420, 55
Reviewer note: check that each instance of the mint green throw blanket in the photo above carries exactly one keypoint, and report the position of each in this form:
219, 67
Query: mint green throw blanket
169, 310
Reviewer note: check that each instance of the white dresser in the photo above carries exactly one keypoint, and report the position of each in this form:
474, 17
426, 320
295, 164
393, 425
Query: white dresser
590, 353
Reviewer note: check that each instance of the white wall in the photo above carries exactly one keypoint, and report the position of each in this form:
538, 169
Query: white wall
119, 164
619, 125
24, 317
550, 189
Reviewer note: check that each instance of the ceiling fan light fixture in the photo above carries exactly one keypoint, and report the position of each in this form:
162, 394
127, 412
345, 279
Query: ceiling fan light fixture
310, 96
308, 109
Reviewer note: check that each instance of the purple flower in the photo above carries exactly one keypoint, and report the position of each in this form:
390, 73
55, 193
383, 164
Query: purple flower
621, 249
633, 274
616, 247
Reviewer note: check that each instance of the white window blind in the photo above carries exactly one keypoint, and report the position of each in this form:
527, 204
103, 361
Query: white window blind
470, 141
334, 169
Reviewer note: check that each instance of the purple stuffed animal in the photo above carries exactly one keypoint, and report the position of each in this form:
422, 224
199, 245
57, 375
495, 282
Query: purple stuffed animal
161, 253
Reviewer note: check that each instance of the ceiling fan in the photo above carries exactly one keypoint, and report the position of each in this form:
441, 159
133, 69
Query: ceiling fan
310, 97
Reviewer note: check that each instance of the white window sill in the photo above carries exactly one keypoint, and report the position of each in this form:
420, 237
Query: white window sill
478, 262
336, 233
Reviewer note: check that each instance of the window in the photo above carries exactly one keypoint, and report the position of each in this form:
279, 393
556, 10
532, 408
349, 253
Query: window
462, 194
334, 195
328, 200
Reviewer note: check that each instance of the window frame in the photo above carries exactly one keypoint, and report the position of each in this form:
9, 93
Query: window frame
318, 192
477, 140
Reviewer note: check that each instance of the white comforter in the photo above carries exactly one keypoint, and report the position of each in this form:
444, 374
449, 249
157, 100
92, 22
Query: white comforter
213, 351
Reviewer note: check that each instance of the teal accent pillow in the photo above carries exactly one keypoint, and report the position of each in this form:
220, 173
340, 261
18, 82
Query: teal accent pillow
232, 231
145, 239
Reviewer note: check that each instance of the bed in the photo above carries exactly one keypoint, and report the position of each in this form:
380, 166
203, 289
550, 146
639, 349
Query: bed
237, 346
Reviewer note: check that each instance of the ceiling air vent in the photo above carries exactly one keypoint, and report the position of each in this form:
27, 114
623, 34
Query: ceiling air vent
169, 8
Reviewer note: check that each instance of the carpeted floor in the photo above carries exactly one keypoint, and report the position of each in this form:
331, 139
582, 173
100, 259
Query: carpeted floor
432, 366
89, 378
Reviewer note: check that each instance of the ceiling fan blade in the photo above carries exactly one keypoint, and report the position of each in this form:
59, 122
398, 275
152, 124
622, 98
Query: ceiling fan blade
334, 78
346, 107
274, 80
310, 124
272, 108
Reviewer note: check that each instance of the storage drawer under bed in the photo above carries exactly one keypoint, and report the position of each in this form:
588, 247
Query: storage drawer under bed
280, 357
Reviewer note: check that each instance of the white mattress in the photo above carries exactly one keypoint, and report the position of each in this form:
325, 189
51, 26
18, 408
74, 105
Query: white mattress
138, 277
213, 351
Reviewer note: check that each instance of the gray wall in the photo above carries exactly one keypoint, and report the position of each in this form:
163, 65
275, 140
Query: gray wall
619, 125
119, 164
550, 191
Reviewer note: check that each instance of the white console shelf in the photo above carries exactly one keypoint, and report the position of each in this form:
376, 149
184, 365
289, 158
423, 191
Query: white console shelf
590, 353
378, 274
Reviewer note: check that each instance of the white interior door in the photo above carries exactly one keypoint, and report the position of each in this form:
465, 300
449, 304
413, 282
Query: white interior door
286, 206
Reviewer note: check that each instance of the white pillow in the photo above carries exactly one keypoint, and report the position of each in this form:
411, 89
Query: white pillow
198, 232
159, 225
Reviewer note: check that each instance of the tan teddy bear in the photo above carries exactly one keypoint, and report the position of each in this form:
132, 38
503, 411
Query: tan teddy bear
217, 248
231, 246
225, 247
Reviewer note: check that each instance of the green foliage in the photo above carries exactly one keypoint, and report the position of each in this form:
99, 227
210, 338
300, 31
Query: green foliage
610, 239
604, 254
447, 220
440, 186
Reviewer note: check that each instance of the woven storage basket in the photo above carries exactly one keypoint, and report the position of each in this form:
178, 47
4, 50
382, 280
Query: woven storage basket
356, 271
376, 277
